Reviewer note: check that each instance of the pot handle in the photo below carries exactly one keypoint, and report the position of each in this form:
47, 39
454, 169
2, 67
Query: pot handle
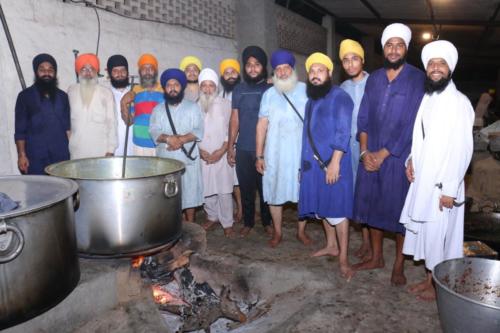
76, 200
171, 186
4, 228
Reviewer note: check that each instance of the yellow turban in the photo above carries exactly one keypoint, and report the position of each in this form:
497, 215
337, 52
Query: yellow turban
351, 46
319, 58
148, 59
190, 60
226, 63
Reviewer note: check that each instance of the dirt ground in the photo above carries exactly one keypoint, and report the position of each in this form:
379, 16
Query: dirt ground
304, 294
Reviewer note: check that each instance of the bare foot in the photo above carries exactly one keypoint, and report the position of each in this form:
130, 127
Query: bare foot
369, 264
347, 272
208, 225
273, 242
398, 279
428, 295
326, 251
229, 232
269, 230
417, 288
364, 252
245, 231
304, 239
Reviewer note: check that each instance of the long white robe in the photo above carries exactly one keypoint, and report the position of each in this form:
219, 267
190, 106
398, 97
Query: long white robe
121, 127
441, 158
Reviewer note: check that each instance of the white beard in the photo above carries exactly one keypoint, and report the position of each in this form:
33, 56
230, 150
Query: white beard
87, 88
206, 100
285, 85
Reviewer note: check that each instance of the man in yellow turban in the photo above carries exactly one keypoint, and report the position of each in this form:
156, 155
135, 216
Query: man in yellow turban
229, 70
191, 66
352, 56
326, 184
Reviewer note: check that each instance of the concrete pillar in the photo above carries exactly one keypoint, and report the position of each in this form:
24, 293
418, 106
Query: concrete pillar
331, 46
256, 25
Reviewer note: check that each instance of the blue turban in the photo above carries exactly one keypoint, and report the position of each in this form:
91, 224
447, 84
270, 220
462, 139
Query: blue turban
44, 57
173, 73
281, 57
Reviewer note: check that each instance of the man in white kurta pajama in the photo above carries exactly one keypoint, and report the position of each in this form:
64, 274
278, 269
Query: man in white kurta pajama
433, 213
218, 175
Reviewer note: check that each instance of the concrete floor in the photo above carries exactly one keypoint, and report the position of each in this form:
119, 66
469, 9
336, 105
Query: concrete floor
307, 294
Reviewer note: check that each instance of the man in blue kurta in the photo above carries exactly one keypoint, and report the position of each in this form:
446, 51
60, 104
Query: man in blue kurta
180, 144
42, 121
279, 136
385, 124
326, 190
352, 55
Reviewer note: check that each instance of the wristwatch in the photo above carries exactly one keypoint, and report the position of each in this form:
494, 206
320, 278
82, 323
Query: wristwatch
260, 157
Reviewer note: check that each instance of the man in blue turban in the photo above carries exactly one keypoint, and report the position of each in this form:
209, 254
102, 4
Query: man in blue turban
278, 138
176, 126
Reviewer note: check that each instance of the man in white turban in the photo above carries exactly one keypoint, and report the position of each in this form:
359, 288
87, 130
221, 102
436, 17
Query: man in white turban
433, 213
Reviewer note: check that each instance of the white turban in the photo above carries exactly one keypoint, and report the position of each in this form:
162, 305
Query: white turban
396, 30
440, 49
208, 74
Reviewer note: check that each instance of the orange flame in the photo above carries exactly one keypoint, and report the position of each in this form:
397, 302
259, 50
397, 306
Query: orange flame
137, 261
161, 296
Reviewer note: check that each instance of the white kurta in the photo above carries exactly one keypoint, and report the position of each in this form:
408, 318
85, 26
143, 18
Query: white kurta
121, 127
93, 128
187, 118
441, 158
217, 177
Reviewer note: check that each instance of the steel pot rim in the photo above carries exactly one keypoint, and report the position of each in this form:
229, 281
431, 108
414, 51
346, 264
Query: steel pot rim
462, 297
72, 188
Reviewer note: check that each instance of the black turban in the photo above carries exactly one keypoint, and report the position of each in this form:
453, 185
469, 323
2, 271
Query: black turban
257, 53
116, 61
43, 57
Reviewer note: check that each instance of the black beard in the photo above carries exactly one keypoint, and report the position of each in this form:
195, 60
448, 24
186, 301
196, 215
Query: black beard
46, 86
319, 91
173, 100
192, 81
436, 86
255, 80
394, 65
118, 84
228, 85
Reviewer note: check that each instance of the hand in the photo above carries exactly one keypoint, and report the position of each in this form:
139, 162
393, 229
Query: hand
260, 165
204, 155
125, 102
174, 143
380, 156
410, 173
217, 155
332, 172
445, 201
369, 161
231, 156
109, 154
23, 163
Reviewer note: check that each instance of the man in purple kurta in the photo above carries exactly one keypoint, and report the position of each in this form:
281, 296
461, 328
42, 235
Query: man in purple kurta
385, 123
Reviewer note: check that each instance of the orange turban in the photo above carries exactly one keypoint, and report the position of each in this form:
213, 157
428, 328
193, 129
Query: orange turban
86, 59
148, 59
226, 63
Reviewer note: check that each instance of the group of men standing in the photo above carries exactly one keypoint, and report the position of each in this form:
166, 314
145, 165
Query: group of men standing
388, 150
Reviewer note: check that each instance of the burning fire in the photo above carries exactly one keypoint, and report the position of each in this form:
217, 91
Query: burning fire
137, 261
161, 296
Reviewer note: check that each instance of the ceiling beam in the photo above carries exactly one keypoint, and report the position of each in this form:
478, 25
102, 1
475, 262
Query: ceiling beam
371, 9
385, 21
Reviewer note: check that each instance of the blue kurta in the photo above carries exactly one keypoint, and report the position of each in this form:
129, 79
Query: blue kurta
187, 118
283, 144
355, 89
387, 114
42, 123
331, 118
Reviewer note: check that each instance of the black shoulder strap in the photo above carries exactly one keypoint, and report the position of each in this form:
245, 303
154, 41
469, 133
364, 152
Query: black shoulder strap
170, 120
322, 164
293, 107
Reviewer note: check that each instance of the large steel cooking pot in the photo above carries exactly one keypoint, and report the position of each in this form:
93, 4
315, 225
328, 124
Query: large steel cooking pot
38, 258
125, 216
468, 295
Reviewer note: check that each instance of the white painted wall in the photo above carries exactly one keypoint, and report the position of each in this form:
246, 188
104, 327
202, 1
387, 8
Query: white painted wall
54, 27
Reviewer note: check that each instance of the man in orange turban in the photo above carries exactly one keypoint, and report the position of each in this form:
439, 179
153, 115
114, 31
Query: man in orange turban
93, 118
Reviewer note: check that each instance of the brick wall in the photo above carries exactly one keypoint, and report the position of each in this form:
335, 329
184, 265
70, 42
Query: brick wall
215, 17
298, 34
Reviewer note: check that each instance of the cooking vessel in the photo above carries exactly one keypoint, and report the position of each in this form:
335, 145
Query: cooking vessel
468, 295
137, 214
38, 257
